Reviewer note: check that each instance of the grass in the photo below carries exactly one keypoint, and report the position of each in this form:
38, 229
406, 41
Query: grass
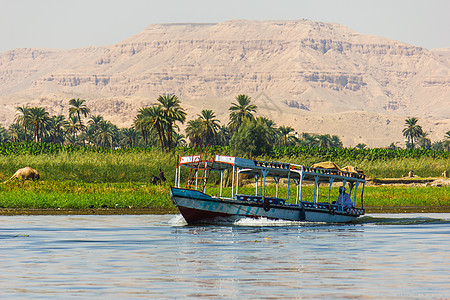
74, 180
76, 195
79, 195
92, 167
406, 196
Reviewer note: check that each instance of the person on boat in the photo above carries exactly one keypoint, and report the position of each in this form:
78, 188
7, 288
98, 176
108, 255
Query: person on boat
344, 198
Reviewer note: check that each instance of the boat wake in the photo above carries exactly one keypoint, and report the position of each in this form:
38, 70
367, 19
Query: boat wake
263, 222
178, 221
387, 219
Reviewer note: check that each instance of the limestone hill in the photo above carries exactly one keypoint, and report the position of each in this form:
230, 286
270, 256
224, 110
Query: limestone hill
315, 77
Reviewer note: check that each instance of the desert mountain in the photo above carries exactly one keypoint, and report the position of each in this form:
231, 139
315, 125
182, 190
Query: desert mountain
315, 77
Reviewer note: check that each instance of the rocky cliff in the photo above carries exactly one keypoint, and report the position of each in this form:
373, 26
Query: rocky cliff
316, 77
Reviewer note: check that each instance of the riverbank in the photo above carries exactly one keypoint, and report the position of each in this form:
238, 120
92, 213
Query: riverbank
71, 197
170, 211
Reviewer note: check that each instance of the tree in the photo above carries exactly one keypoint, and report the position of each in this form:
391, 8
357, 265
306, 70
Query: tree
4, 136
106, 134
172, 112
194, 131
178, 140
209, 126
223, 136
412, 131
336, 142
324, 140
446, 141
38, 117
241, 111
285, 138
95, 121
57, 125
309, 140
361, 146
394, 146
78, 108
437, 146
253, 138
15, 131
72, 128
22, 118
130, 136
151, 118
423, 141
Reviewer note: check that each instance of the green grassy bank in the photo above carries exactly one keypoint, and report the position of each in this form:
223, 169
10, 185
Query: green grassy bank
129, 197
122, 181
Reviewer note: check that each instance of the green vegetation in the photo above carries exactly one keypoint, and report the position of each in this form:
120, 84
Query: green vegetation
69, 194
406, 196
76, 195
96, 164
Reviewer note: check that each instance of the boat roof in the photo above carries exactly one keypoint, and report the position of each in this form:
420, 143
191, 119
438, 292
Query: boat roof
273, 169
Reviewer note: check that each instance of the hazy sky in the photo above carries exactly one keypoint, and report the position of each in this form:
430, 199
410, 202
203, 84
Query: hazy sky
81, 23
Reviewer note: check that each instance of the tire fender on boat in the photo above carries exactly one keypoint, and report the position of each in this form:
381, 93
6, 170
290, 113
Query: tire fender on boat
332, 212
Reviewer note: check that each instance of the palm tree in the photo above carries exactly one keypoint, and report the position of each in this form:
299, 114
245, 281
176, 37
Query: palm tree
240, 111
38, 117
4, 136
130, 136
78, 108
23, 118
72, 128
361, 146
393, 146
141, 123
423, 141
106, 134
172, 112
271, 129
336, 141
57, 124
412, 131
15, 131
95, 121
148, 118
209, 126
285, 137
178, 140
324, 140
446, 141
309, 140
194, 131
223, 136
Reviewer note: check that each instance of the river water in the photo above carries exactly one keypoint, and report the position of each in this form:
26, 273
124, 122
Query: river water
158, 256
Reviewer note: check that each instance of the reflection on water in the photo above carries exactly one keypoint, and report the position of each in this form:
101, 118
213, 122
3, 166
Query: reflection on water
378, 256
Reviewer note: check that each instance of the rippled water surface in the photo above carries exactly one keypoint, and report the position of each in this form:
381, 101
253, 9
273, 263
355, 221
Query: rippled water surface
380, 256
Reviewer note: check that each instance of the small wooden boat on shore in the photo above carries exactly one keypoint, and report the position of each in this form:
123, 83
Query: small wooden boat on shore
197, 206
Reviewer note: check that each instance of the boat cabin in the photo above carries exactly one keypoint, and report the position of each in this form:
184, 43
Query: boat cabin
294, 178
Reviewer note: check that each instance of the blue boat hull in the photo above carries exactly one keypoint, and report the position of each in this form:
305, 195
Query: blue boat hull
197, 207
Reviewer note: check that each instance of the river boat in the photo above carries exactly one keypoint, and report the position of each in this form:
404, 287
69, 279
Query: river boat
227, 203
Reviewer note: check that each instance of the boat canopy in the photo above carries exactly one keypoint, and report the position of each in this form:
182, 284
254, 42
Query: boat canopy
272, 169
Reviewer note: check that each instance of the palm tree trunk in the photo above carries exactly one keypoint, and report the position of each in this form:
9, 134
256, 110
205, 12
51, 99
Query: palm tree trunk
169, 136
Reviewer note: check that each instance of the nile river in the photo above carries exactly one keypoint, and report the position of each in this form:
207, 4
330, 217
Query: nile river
152, 256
